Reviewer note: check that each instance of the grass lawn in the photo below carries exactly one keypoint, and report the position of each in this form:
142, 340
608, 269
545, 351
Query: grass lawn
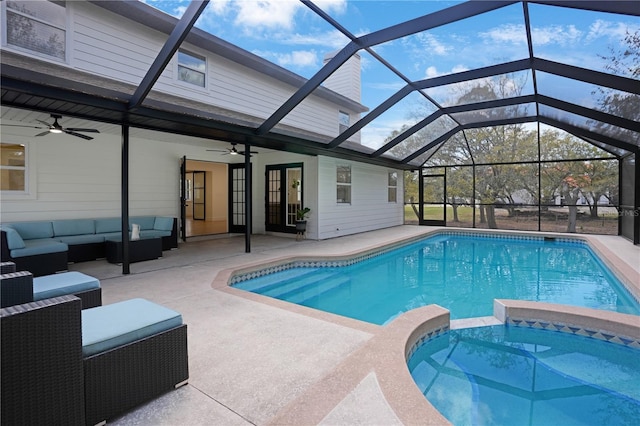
555, 220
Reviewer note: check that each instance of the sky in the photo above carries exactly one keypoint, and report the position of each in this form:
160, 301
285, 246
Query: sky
288, 33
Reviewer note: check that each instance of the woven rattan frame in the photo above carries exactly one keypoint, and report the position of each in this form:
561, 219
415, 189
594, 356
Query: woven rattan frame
122, 378
41, 363
7, 267
16, 288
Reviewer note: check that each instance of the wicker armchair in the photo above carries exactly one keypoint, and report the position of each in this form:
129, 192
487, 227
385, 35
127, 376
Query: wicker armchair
45, 378
17, 288
41, 363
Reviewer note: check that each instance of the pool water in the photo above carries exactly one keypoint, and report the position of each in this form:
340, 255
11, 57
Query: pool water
522, 376
458, 272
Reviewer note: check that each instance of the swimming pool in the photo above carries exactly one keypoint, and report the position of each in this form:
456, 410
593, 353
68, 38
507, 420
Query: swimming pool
460, 272
517, 376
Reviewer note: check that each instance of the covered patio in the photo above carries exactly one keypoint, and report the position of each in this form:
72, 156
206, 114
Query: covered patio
257, 360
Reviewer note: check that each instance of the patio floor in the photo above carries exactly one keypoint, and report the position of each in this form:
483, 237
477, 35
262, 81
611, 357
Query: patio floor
252, 360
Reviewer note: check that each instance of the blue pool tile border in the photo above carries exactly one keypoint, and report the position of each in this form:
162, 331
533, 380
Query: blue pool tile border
424, 338
538, 324
235, 279
574, 329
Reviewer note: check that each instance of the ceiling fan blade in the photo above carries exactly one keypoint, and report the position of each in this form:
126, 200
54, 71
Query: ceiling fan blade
250, 152
43, 133
45, 123
218, 150
22, 125
69, 132
76, 129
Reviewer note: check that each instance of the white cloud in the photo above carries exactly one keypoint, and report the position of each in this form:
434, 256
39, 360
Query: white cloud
557, 34
432, 71
295, 59
274, 14
608, 29
423, 44
337, 6
332, 39
386, 86
508, 33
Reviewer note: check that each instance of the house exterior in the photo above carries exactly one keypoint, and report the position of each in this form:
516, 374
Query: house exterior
111, 45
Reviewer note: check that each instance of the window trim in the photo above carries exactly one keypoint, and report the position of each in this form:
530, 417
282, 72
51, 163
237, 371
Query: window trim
341, 126
67, 31
344, 184
390, 186
204, 73
30, 176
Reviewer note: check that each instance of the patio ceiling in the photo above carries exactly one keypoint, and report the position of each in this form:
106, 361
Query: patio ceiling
562, 95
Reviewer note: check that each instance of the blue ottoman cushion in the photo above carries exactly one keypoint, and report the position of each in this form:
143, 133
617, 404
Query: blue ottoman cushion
110, 326
60, 284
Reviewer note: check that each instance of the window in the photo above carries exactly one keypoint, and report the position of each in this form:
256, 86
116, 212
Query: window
13, 167
343, 179
343, 120
191, 68
38, 26
393, 187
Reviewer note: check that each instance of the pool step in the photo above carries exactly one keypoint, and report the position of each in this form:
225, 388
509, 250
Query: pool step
267, 282
303, 294
295, 284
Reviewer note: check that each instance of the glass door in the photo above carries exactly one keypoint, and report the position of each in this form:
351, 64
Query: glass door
284, 196
294, 193
199, 195
237, 206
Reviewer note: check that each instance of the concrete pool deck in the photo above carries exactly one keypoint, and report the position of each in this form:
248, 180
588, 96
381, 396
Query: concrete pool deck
255, 360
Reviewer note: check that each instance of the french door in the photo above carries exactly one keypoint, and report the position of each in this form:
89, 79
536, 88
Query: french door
237, 206
284, 196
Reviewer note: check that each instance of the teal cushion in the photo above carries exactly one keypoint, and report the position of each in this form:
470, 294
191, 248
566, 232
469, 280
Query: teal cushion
81, 239
14, 240
110, 326
154, 234
145, 222
64, 283
63, 228
33, 230
163, 224
110, 224
42, 246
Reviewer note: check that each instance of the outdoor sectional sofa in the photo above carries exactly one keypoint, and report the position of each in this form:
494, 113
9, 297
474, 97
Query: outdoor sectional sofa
45, 247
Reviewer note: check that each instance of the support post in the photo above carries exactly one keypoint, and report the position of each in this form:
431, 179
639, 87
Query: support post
125, 200
247, 198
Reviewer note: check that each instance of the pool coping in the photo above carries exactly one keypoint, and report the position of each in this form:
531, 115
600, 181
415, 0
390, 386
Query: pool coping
386, 353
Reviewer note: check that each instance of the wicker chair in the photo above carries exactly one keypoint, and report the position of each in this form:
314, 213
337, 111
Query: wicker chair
17, 288
41, 363
47, 380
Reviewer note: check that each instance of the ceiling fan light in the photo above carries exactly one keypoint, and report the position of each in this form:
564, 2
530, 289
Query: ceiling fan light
233, 152
54, 130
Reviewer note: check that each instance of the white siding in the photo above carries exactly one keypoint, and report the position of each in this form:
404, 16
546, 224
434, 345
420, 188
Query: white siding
369, 208
111, 46
81, 179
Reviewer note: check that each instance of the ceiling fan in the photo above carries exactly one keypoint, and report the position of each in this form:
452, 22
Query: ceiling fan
57, 128
231, 151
